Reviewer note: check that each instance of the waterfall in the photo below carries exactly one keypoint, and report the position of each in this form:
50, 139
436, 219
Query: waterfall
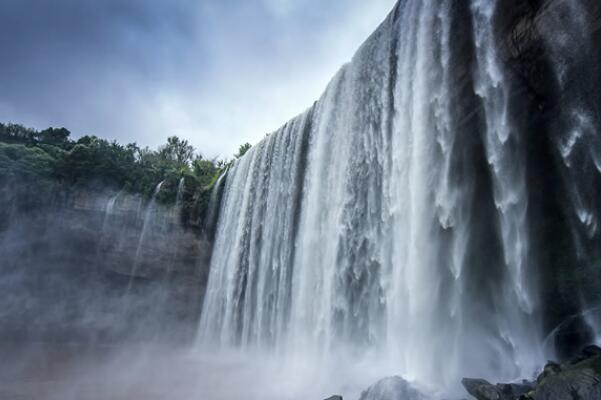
214, 201
150, 208
177, 211
179, 197
567, 33
391, 221
108, 211
505, 153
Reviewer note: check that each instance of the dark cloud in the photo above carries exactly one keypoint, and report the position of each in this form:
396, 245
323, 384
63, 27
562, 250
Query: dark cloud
139, 70
130, 32
94, 59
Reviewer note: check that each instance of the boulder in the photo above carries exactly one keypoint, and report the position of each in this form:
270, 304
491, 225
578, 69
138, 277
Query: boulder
581, 381
578, 379
484, 390
591, 351
392, 388
551, 368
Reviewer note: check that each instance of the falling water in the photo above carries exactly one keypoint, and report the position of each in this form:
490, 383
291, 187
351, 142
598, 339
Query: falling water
108, 211
213, 210
506, 157
180, 193
179, 198
567, 33
389, 222
150, 208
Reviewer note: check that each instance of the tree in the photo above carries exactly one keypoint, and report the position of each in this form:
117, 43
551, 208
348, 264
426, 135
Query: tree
204, 170
243, 149
97, 163
56, 137
177, 150
17, 133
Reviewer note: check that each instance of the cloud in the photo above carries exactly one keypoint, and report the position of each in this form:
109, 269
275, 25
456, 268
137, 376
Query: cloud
218, 72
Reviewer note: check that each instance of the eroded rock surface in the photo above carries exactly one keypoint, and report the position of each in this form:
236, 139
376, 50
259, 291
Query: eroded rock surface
579, 379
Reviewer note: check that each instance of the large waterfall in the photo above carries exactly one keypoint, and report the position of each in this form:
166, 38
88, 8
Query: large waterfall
399, 218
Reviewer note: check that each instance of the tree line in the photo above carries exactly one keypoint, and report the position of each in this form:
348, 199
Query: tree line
52, 155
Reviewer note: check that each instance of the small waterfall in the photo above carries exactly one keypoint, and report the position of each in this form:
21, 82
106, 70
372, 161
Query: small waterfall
180, 193
214, 202
593, 320
150, 209
177, 211
108, 211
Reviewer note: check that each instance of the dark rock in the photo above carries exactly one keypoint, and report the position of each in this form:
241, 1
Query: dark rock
551, 368
577, 380
570, 337
585, 354
335, 397
516, 390
483, 390
581, 381
392, 388
591, 351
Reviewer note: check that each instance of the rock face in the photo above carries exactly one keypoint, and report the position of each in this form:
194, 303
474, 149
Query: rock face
579, 379
550, 48
83, 265
484, 390
392, 388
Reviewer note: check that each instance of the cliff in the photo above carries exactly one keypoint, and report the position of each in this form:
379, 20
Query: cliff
96, 265
550, 50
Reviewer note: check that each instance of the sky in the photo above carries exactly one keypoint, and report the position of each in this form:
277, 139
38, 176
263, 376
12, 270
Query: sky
216, 72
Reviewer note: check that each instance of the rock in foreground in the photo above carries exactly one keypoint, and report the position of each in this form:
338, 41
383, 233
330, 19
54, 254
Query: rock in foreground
392, 388
484, 390
579, 379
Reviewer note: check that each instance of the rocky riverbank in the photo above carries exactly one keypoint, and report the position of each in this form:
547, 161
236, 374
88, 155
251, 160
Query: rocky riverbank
577, 379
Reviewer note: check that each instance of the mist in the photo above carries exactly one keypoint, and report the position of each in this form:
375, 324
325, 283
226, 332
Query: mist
430, 226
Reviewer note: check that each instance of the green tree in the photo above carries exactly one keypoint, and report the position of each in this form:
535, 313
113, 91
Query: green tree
15, 133
243, 149
56, 137
48, 157
177, 150
204, 170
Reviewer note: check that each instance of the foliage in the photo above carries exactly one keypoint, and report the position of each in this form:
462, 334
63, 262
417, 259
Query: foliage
177, 151
17, 160
51, 155
243, 149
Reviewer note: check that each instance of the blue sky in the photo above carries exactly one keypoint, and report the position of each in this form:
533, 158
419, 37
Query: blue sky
216, 72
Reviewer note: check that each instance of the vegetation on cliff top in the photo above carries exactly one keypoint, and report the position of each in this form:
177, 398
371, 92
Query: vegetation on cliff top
50, 156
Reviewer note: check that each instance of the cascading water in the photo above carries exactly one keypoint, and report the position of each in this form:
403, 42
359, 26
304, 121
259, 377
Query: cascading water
179, 199
214, 202
108, 211
568, 43
505, 153
150, 209
390, 221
